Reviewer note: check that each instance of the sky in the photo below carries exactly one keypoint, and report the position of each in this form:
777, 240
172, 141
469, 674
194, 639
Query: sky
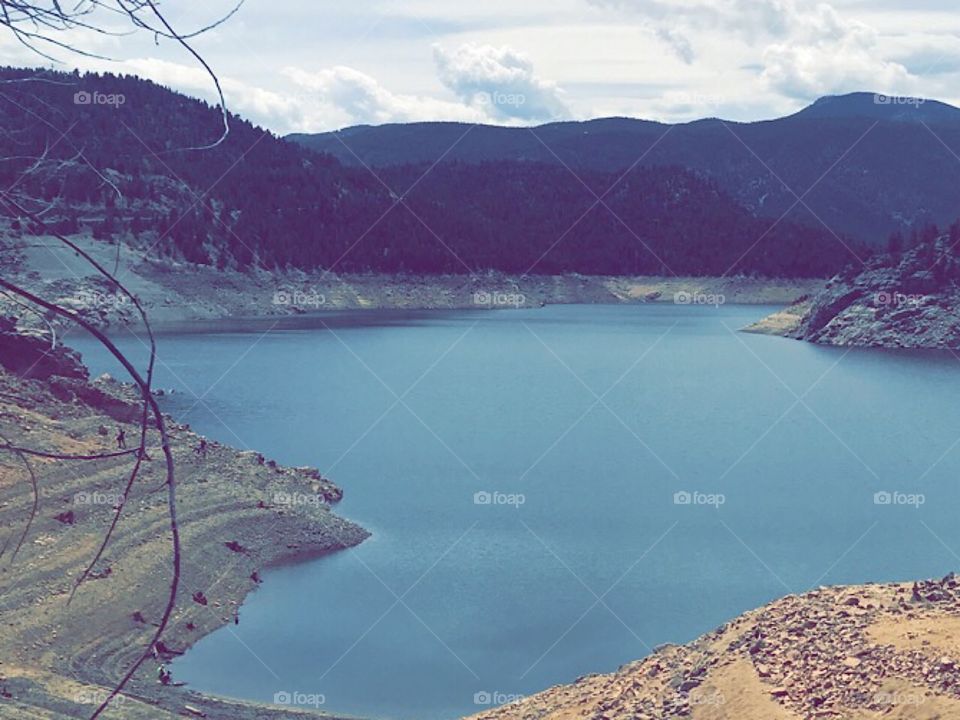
317, 65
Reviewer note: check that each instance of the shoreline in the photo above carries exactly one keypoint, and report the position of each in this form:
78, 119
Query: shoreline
173, 292
53, 662
57, 661
856, 652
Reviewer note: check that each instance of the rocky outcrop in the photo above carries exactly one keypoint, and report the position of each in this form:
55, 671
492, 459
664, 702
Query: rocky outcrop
33, 355
908, 301
851, 653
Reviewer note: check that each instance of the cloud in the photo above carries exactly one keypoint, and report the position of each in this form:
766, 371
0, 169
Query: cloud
801, 48
826, 53
491, 84
501, 80
678, 42
311, 102
249, 101
341, 95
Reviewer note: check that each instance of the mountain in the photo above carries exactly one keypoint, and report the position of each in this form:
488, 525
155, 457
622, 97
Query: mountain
865, 164
124, 168
884, 108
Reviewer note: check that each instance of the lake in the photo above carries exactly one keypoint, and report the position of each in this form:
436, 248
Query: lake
555, 492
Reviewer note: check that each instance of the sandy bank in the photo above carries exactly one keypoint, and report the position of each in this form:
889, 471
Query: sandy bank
176, 292
58, 661
857, 653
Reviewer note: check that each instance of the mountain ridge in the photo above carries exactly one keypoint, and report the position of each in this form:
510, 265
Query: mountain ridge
855, 163
255, 200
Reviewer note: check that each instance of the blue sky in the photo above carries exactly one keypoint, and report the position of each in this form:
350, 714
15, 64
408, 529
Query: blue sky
301, 65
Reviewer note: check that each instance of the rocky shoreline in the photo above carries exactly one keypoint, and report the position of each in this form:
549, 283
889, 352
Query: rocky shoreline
903, 301
238, 513
857, 653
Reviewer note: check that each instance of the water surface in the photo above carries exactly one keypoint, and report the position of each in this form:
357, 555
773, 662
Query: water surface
597, 416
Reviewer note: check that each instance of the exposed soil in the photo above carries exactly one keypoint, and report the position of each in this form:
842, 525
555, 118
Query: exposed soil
58, 661
858, 653
175, 291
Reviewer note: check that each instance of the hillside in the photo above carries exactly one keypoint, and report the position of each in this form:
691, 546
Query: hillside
875, 164
907, 300
60, 661
854, 653
124, 170
173, 291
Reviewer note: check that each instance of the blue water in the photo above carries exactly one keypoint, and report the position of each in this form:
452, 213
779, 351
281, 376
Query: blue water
598, 564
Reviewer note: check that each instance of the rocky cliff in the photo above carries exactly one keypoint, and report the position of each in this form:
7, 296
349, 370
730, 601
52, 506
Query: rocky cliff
899, 301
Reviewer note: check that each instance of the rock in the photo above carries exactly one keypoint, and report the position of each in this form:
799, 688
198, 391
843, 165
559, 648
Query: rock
688, 685
30, 356
891, 301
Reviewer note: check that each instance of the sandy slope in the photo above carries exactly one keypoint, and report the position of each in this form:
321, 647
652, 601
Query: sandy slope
858, 653
174, 292
56, 661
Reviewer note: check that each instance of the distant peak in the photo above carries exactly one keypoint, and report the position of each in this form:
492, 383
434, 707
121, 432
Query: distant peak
881, 106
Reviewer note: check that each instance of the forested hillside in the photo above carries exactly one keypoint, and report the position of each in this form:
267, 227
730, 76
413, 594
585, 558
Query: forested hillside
866, 165
117, 161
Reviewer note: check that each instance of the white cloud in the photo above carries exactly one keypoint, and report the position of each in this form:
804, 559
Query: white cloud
501, 80
492, 85
340, 96
251, 102
658, 59
802, 48
826, 53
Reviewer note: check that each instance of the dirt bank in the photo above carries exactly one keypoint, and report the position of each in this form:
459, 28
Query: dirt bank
174, 291
237, 515
858, 653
